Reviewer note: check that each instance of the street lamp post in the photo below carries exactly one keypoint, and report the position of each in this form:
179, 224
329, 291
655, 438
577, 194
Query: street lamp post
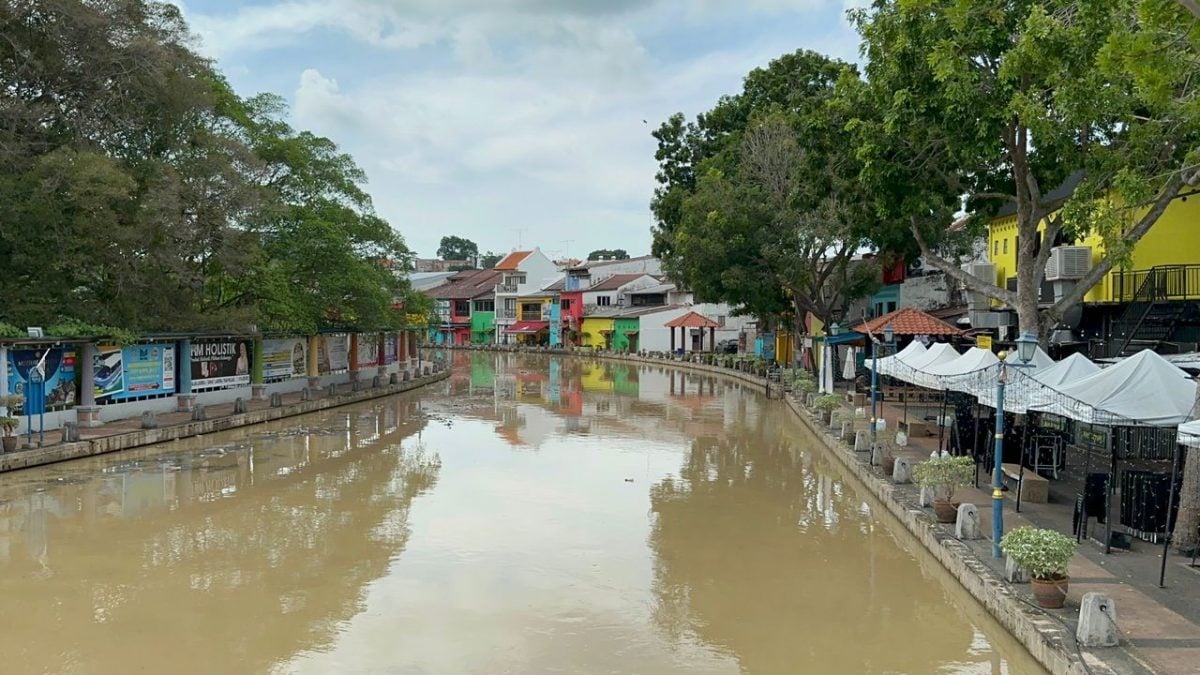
888, 335
1026, 345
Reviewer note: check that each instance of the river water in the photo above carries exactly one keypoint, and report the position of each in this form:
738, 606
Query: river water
528, 515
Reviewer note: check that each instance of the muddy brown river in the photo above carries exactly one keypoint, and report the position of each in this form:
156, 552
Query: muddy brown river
528, 515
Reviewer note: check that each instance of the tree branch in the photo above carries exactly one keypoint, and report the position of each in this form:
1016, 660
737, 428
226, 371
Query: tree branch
1093, 277
1192, 6
954, 272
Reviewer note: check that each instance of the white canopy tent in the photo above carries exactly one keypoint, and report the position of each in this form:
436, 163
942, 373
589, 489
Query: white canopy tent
911, 369
1142, 389
1040, 361
1028, 389
956, 374
888, 364
1189, 434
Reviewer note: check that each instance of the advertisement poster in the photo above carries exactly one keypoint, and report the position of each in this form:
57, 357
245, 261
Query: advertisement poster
220, 363
368, 349
284, 358
333, 354
134, 371
59, 379
389, 348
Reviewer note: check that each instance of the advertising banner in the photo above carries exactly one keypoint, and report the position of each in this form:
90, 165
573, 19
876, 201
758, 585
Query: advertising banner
389, 348
368, 349
134, 371
220, 363
284, 358
333, 353
59, 380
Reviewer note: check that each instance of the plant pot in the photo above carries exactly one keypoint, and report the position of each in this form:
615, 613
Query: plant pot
945, 510
1050, 594
889, 465
10, 443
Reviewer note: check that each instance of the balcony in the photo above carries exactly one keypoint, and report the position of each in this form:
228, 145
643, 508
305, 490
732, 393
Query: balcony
506, 288
534, 316
506, 313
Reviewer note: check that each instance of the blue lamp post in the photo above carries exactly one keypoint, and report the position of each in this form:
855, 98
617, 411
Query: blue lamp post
889, 334
1026, 346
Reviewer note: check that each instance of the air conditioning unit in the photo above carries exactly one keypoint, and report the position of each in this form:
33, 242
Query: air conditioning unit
1061, 287
980, 319
1068, 262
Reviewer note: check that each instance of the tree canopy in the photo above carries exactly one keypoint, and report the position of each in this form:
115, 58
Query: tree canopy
138, 190
999, 103
609, 254
457, 248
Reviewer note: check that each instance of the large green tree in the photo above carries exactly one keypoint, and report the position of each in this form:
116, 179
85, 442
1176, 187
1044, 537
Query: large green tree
758, 203
608, 254
457, 248
1000, 102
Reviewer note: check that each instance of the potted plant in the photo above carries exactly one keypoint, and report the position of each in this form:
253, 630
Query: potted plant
8, 421
1044, 554
826, 405
942, 476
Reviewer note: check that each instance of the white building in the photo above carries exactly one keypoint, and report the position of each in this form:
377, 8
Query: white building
522, 273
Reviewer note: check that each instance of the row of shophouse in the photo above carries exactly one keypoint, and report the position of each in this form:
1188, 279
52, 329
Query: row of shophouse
619, 305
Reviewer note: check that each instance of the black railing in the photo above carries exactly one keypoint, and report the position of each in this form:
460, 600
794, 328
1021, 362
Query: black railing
1164, 282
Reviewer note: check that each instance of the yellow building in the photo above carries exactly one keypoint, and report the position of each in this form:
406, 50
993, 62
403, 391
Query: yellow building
1171, 241
596, 332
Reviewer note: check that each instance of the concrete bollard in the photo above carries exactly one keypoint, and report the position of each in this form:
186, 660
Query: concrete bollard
1014, 573
306, 394
239, 406
394, 379
199, 413
809, 400
967, 525
276, 400
860, 413
70, 432
902, 439
862, 440
377, 382
901, 471
925, 500
1097, 621
149, 420
877, 454
835, 420
407, 376
847, 434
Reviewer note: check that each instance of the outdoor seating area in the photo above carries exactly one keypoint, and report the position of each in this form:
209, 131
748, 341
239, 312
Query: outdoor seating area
1096, 449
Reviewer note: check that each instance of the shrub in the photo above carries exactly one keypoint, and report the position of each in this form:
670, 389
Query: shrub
944, 474
1043, 553
827, 402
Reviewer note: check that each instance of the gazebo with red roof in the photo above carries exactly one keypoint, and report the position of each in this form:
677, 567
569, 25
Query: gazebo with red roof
908, 321
694, 320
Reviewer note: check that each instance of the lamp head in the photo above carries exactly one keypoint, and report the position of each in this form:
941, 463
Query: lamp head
835, 329
889, 333
1026, 346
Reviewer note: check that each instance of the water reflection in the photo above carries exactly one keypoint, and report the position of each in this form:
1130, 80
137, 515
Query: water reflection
209, 558
527, 515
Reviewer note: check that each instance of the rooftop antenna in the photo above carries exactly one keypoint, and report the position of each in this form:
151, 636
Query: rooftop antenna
519, 231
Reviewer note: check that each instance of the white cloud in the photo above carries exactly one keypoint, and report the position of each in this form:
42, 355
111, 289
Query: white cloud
517, 114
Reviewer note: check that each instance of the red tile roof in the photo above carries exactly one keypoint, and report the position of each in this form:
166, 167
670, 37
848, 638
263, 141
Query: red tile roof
908, 321
467, 285
692, 320
615, 281
510, 261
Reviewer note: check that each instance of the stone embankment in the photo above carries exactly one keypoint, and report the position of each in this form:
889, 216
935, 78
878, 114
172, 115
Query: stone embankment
138, 432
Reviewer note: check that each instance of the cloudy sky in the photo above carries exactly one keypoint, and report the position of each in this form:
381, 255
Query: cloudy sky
507, 121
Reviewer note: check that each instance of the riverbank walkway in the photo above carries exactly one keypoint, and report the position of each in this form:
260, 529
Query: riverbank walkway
1160, 627
47, 448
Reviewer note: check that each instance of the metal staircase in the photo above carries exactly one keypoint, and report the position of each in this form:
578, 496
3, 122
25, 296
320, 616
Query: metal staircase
1153, 310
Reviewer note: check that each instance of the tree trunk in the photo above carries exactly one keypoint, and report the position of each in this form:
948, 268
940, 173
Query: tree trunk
1184, 535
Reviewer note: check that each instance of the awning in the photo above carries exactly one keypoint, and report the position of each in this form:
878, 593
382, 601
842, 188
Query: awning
849, 337
528, 327
631, 332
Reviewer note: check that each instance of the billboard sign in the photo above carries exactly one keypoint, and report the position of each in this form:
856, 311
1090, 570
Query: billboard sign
58, 379
286, 358
122, 373
220, 363
333, 353
368, 349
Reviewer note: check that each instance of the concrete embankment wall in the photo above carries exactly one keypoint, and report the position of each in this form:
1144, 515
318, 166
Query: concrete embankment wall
1045, 638
142, 437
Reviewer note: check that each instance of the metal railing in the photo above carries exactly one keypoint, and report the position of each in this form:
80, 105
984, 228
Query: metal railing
506, 313
506, 288
1163, 282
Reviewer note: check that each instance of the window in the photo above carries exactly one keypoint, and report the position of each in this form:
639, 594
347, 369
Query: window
462, 307
566, 305
891, 307
485, 305
721, 320
1006, 246
995, 248
604, 300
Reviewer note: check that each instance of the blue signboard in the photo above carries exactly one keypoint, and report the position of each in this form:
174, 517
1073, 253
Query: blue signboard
123, 373
57, 389
555, 324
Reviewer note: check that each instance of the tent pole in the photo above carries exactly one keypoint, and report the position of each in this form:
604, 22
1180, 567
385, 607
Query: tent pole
941, 426
1162, 570
1083, 514
975, 440
1021, 458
